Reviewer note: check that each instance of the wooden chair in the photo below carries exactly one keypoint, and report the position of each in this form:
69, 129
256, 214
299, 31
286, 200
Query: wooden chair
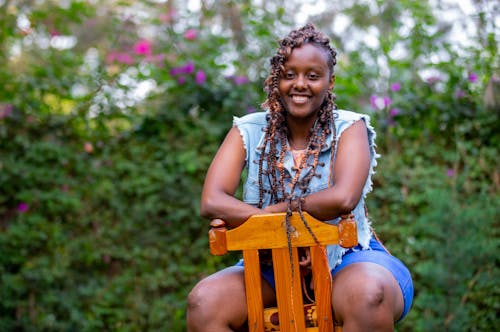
268, 231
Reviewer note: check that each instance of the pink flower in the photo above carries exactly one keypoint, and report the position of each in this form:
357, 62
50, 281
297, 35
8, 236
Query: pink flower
168, 16
472, 77
200, 77
450, 172
395, 87
111, 57
191, 34
380, 103
124, 58
23, 207
143, 47
157, 59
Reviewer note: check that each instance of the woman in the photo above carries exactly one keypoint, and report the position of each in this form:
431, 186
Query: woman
301, 154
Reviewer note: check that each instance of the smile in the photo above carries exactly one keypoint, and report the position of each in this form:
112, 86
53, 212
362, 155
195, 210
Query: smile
300, 99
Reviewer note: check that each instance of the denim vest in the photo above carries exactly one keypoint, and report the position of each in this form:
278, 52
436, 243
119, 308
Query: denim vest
251, 128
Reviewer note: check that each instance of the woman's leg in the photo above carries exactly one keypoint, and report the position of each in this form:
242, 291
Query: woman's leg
366, 297
218, 303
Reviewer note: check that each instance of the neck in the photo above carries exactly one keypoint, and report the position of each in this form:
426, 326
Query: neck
299, 135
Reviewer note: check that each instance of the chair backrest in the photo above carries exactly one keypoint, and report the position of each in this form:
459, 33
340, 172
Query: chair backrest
269, 231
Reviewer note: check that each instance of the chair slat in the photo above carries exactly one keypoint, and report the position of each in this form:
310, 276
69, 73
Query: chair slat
322, 288
288, 291
253, 285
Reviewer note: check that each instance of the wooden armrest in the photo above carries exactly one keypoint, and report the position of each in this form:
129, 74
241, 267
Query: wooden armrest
217, 237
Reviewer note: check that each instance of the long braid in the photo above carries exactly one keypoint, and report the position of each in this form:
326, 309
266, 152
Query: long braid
277, 132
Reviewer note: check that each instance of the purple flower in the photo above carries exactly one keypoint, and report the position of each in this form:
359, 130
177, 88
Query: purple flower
5, 111
433, 80
450, 172
393, 112
181, 80
374, 101
188, 68
250, 109
472, 77
387, 101
23, 207
395, 87
200, 77
459, 93
240, 79
176, 71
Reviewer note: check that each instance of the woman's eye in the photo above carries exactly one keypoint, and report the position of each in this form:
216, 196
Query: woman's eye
313, 76
289, 75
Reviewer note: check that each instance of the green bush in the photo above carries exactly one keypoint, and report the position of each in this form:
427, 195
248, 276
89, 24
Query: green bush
100, 185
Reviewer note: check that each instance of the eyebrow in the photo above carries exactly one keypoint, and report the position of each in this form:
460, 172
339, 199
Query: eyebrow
310, 68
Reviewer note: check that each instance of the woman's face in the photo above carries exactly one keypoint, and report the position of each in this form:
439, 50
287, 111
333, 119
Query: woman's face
305, 82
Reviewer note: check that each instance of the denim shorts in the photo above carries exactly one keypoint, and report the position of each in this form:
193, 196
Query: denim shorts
376, 254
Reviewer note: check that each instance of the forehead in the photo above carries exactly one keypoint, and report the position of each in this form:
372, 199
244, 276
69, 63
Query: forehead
308, 54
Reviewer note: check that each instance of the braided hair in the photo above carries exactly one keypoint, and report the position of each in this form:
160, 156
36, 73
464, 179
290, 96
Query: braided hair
276, 131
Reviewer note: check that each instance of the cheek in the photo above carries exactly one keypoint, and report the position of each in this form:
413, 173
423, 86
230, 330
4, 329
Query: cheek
283, 87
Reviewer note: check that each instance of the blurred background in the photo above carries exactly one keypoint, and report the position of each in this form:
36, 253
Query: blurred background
111, 111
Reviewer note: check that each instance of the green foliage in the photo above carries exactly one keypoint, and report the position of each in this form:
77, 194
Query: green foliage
99, 188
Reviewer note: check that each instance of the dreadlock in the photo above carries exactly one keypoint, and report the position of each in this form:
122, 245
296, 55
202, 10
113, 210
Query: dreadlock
271, 165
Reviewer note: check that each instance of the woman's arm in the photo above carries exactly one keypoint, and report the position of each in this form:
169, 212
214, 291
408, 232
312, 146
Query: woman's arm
350, 173
221, 183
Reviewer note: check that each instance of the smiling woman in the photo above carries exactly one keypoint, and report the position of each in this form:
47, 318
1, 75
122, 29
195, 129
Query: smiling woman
305, 83
301, 154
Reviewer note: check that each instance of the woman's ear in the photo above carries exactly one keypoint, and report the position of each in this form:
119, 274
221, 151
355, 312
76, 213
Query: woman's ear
332, 82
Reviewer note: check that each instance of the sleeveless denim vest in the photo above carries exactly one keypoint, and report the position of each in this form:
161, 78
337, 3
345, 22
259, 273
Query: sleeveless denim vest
251, 128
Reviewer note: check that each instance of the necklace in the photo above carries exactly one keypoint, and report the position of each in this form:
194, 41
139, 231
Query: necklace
297, 156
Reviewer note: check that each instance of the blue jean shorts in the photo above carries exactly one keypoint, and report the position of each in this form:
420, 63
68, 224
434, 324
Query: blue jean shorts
376, 254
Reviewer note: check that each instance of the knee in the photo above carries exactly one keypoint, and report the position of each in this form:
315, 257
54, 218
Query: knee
361, 291
370, 294
200, 297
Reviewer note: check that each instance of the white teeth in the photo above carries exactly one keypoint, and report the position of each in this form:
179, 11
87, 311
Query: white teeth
299, 99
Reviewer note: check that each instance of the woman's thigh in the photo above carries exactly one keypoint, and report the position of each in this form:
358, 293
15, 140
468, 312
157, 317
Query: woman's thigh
222, 297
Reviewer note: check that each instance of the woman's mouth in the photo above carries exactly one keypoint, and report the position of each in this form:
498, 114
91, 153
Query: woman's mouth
299, 99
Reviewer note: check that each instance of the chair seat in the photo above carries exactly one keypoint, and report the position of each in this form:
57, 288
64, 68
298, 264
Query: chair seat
271, 319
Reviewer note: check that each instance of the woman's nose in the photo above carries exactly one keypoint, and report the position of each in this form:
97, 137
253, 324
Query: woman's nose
300, 82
